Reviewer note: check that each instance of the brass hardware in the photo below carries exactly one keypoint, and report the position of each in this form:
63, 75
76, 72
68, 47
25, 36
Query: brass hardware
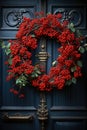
42, 56
17, 116
42, 111
85, 45
43, 46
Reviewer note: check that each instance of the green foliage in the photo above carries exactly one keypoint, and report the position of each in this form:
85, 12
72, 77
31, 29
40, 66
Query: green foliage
74, 80
79, 63
36, 72
85, 46
33, 35
6, 47
21, 81
81, 49
68, 82
78, 33
54, 63
10, 61
73, 69
7, 51
71, 26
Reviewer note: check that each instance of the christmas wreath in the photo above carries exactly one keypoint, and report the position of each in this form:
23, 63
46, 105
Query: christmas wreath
65, 69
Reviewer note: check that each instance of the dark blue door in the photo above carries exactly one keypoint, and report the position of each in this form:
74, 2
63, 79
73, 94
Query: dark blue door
67, 108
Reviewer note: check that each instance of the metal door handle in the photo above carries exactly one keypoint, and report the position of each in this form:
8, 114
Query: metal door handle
17, 116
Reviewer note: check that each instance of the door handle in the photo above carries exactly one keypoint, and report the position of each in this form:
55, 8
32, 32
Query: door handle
17, 117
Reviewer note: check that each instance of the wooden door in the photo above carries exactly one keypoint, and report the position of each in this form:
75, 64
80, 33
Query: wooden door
11, 14
67, 108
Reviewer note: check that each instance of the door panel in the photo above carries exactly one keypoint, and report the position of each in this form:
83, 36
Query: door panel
69, 125
67, 108
11, 13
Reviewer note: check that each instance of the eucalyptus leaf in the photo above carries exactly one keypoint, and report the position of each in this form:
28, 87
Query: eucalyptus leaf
21, 81
24, 84
74, 80
38, 72
18, 81
36, 75
7, 51
33, 76
32, 35
81, 49
68, 82
79, 63
72, 29
73, 69
48, 13
71, 26
8, 45
2, 44
85, 46
10, 61
78, 33
54, 63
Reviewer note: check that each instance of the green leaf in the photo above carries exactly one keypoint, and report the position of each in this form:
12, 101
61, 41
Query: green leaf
48, 13
32, 35
73, 29
85, 46
7, 51
81, 49
38, 72
10, 61
34, 75
73, 69
8, 45
24, 84
78, 33
71, 26
6, 48
68, 82
74, 80
2, 44
21, 81
54, 63
18, 81
79, 63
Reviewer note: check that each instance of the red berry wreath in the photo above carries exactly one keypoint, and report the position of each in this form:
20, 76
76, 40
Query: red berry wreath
67, 67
